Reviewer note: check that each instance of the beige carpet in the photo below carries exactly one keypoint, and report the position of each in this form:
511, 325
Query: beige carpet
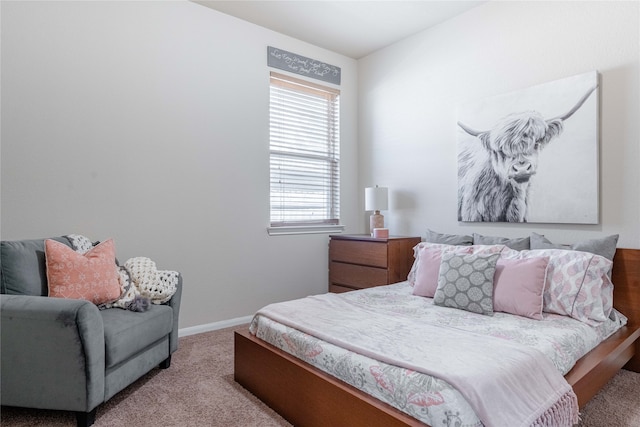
198, 390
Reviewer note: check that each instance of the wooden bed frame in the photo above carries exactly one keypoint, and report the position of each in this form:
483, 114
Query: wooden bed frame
306, 396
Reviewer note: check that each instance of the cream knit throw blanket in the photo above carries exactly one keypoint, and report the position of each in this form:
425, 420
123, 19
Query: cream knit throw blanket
159, 286
140, 280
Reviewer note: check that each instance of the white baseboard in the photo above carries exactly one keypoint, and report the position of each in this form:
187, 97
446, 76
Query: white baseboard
183, 332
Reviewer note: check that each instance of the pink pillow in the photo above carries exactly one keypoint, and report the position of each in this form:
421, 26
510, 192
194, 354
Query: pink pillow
519, 286
577, 283
92, 276
427, 272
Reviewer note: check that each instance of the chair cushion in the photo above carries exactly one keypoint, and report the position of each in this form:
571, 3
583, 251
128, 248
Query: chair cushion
126, 333
23, 267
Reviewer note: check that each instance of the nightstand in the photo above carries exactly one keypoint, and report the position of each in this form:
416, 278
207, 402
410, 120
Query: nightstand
358, 261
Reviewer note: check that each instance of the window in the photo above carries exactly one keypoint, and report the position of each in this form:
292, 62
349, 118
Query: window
304, 135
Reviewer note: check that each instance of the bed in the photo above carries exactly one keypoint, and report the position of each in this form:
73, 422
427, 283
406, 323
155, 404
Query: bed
307, 396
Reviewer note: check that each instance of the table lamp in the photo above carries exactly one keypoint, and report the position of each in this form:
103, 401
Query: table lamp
376, 199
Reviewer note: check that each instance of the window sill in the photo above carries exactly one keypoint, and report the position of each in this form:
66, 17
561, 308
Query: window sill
304, 229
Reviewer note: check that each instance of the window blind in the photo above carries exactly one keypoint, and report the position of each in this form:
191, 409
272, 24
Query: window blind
304, 139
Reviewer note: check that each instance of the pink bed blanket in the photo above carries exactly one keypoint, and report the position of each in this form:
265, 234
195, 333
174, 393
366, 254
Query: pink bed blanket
506, 383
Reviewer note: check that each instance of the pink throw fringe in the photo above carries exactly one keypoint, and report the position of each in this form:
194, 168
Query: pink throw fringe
563, 413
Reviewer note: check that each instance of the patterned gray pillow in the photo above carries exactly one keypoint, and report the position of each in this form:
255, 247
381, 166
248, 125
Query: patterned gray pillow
466, 282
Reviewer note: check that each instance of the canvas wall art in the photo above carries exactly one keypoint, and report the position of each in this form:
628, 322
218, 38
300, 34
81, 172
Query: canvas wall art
531, 155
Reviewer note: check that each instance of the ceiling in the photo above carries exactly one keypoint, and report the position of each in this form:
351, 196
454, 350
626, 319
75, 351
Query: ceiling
352, 28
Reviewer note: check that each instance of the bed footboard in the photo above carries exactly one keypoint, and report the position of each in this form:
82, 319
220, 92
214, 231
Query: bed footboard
304, 395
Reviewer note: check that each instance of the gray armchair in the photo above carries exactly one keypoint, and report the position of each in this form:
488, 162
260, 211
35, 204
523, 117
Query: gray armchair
66, 354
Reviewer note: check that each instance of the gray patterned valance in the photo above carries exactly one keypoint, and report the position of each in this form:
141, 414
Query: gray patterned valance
302, 65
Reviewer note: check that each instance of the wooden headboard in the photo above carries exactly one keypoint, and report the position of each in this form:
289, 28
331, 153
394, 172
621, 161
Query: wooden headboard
626, 283
626, 293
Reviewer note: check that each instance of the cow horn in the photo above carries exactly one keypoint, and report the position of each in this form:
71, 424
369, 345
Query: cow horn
578, 105
468, 130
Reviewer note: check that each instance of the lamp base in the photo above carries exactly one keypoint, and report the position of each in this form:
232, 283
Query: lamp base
376, 221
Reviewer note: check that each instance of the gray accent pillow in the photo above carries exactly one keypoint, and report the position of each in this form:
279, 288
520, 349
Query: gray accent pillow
519, 244
448, 239
466, 282
23, 267
605, 246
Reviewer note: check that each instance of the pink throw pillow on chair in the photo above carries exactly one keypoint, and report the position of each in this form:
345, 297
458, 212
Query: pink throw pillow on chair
92, 276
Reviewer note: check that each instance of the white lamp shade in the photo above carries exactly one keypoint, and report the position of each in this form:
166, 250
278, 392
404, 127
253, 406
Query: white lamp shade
376, 199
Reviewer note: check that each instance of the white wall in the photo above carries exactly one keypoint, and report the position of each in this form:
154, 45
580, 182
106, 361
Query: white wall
148, 122
410, 91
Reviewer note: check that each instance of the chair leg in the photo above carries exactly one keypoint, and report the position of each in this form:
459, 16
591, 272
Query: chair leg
85, 419
165, 363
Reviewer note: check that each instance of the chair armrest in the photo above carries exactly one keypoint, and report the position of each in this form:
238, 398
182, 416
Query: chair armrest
52, 353
174, 303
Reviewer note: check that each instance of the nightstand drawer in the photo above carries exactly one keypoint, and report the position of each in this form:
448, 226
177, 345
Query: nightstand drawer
356, 276
357, 252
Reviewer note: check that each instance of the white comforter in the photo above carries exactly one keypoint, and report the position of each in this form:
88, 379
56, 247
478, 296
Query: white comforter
391, 329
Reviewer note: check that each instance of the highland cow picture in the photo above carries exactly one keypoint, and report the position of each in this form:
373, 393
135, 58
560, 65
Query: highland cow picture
531, 155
